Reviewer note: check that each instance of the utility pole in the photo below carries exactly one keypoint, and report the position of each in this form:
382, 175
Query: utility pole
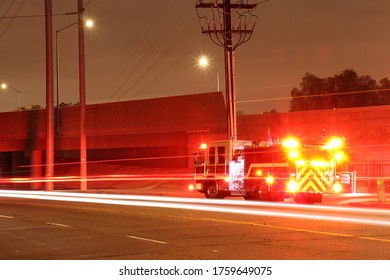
230, 79
83, 136
49, 97
217, 22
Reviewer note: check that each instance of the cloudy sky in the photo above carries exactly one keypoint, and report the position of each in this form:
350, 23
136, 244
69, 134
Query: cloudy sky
149, 48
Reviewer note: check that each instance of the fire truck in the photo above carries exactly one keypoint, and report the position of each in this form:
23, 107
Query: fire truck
270, 171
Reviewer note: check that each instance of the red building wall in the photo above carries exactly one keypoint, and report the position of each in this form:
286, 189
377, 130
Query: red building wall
169, 129
366, 130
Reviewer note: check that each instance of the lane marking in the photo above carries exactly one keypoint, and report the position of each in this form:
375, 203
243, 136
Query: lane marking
59, 225
285, 228
146, 239
375, 239
271, 226
6, 217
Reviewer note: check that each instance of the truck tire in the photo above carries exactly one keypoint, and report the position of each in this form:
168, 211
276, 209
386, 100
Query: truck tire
255, 194
251, 196
212, 191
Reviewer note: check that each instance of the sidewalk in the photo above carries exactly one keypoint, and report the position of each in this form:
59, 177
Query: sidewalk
369, 200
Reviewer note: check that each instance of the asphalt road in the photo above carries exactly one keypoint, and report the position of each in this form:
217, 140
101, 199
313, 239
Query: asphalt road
46, 229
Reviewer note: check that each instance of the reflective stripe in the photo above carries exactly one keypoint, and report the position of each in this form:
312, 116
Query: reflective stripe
312, 178
265, 165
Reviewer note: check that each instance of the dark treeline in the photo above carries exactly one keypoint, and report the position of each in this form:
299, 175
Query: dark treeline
343, 90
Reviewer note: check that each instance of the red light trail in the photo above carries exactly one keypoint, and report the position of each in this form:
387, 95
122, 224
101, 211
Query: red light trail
373, 217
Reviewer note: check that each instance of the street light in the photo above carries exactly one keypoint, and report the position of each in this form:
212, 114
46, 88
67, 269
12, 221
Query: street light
89, 24
5, 86
204, 62
83, 135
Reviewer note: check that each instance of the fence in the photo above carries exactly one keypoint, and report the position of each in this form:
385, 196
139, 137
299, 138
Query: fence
368, 172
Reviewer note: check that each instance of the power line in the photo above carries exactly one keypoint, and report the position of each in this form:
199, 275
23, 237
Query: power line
2, 3
141, 66
36, 16
169, 27
8, 9
163, 73
12, 18
123, 67
16, 16
314, 95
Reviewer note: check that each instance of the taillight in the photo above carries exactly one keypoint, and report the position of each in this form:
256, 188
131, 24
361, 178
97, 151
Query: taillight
259, 173
270, 180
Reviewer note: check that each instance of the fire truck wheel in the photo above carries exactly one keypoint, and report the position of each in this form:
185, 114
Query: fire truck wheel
251, 196
212, 191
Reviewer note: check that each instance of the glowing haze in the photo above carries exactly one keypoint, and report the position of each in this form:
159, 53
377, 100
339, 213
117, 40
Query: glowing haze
146, 49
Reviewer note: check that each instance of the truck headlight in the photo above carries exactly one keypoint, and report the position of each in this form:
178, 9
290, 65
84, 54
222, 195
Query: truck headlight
292, 186
337, 188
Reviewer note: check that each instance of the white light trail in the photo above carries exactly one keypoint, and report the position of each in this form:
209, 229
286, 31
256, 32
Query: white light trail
325, 213
146, 239
56, 224
201, 201
6, 217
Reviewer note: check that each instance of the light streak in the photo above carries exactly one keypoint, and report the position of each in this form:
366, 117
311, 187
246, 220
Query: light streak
325, 213
6, 217
202, 201
147, 239
98, 178
56, 224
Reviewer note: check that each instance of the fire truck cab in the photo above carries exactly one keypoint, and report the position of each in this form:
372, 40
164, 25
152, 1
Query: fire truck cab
219, 168
269, 172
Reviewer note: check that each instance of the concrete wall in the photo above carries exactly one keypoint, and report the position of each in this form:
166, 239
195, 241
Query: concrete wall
159, 131
367, 133
166, 132
367, 130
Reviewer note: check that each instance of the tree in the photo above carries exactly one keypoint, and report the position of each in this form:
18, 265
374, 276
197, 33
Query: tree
343, 90
384, 96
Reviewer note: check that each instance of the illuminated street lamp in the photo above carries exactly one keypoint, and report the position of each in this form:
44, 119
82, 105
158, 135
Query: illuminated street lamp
203, 62
89, 24
83, 135
5, 86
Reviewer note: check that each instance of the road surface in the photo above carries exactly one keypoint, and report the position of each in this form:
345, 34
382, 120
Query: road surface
136, 227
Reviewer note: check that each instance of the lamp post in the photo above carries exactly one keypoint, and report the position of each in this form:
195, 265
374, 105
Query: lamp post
58, 127
203, 62
83, 135
89, 24
49, 168
5, 86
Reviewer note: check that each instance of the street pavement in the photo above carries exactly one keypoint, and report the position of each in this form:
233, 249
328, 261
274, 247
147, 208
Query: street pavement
370, 200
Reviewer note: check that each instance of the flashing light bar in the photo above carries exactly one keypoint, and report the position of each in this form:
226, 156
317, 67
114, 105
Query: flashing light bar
334, 143
290, 143
203, 146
